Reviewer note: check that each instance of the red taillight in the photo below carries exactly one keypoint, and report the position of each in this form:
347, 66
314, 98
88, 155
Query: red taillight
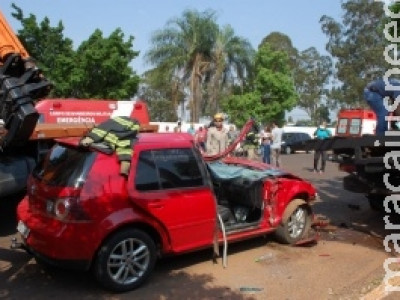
66, 209
62, 208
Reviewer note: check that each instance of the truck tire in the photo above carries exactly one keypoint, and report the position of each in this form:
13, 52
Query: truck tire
376, 202
125, 260
296, 222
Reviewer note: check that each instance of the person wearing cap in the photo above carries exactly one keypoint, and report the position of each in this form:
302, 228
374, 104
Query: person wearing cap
217, 136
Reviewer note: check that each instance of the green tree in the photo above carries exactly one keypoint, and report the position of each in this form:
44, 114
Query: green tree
47, 45
104, 70
281, 42
311, 75
161, 110
99, 68
357, 46
273, 93
184, 48
158, 90
321, 115
194, 51
231, 62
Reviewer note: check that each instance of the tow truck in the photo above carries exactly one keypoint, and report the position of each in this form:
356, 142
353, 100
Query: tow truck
371, 161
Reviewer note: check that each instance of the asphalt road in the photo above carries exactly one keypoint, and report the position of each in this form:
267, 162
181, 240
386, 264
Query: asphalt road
346, 263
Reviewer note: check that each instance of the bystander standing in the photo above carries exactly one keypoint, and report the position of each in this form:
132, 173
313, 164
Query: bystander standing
200, 138
321, 133
276, 135
266, 145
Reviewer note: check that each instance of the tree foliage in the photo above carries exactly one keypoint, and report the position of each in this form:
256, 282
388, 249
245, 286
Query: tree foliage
163, 93
357, 45
281, 42
99, 68
232, 59
273, 93
104, 69
311, 75
184, 49
195, 51
52, 51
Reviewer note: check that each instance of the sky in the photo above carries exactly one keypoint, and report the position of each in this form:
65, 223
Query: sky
250, 19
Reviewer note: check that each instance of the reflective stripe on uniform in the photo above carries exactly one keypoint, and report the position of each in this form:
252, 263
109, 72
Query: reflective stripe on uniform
127, 123
124, 151
99, 132
123, 143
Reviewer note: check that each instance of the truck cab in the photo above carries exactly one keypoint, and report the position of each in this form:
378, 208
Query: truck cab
355, 122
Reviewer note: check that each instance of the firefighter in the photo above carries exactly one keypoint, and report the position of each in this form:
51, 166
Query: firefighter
119, 133
251, 144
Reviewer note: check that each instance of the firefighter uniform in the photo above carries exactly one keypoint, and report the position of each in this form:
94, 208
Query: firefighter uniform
251, 144
119, 133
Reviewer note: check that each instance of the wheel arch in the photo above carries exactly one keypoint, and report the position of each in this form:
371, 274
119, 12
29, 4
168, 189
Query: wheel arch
146, 228
291, 207
283, 233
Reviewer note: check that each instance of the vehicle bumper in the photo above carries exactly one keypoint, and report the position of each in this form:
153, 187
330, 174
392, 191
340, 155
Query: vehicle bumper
71, 264
69, 245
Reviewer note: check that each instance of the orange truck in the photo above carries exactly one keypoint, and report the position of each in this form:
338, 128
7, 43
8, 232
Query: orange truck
30, 124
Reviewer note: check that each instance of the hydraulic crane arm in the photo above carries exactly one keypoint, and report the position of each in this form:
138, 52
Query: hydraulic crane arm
21, 84
9, 42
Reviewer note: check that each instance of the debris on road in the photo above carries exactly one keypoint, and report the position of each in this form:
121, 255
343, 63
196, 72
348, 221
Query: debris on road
250, 290
265, 257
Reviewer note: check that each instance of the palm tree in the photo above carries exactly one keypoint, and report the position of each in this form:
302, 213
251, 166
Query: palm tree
184, 47
231, 63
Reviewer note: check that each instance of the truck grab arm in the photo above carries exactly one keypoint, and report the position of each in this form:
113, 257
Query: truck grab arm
21, 83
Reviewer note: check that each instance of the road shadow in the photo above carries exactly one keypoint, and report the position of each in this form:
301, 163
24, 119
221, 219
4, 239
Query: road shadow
8, 216
23, 278
351, 218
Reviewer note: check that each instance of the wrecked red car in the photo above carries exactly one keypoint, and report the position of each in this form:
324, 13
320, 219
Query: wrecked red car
80, 212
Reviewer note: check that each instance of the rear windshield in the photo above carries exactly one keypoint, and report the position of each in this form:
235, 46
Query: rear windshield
64, 166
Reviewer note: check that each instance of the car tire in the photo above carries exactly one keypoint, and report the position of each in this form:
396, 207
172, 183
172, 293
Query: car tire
296, 225
288, 150
125, 260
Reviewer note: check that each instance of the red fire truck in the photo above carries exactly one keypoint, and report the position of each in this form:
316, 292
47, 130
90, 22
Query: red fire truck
89, 111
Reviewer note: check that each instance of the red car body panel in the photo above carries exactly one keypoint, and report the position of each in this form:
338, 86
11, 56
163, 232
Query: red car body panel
181, 220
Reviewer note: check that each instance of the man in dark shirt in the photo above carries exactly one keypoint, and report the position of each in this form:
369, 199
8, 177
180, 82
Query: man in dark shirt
375, 93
